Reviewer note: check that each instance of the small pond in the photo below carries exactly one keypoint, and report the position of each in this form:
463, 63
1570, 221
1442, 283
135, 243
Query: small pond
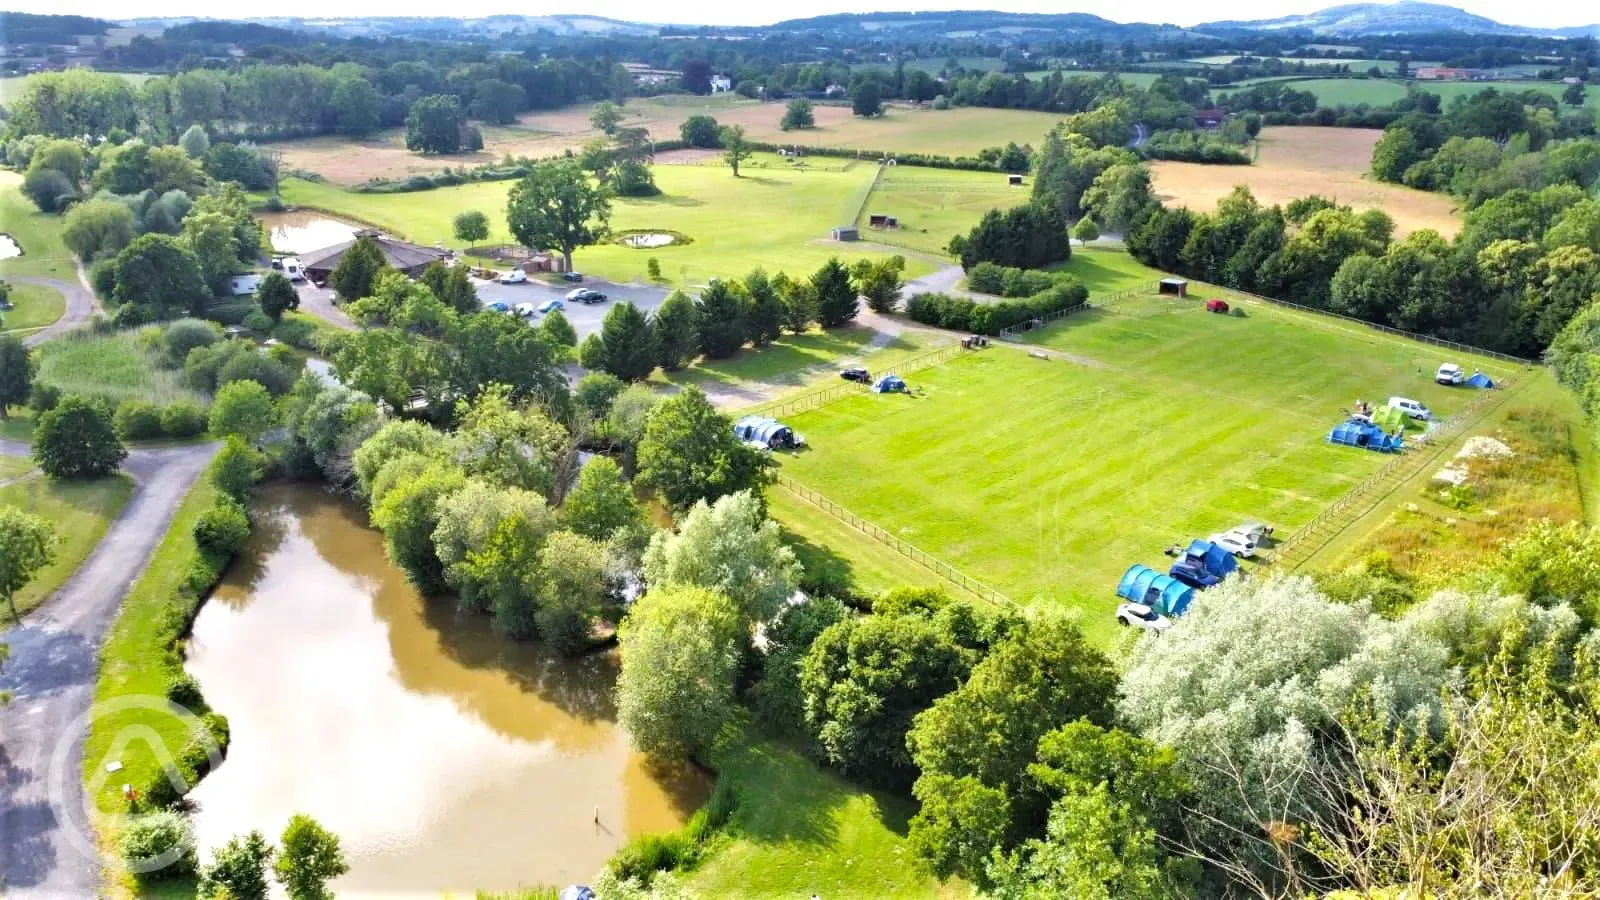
650, 240
9, 247
446, 758
305, 231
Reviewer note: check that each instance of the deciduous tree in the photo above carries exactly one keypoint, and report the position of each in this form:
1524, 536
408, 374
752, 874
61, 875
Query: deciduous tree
680, 654
27, 544
556, 207
730, 547
471, 226
735, 149
77, 440
601, 502
277, 295
308, 859
17, 368
798, 114
434, 124
242, 408
688, 452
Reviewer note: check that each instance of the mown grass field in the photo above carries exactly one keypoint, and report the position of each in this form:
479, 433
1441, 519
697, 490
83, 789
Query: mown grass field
1356, 65
39, 235
11, 86
1432, 531
1104, 270
36, 307
800, 831
778, 219
1379, 92
114, 366
934, 205
80, 512
1046, 479
793, 362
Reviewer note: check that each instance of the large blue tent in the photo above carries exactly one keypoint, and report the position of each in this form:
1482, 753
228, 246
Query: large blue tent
1216, 560
1480, 380
1162, 593
764, 430
890, 384
1360, 433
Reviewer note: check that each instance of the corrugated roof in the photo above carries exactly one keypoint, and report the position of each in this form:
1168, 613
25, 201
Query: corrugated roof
397, 254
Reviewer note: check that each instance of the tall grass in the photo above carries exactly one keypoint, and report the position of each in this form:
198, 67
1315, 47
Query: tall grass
644, 856
115, 366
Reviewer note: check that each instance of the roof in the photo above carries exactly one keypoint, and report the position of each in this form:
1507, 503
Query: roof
1173, 281
397, 254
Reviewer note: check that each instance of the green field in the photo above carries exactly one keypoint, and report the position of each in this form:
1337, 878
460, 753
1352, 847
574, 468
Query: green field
11, 87
36, 307
778, 219
800, 831
114, 366
1379, 92
1106, 269
934, 205
1356, 65
793, 362
39, 235
1046, 479
80, 511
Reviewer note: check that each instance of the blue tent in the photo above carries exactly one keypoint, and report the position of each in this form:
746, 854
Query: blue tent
1216, 560
1162, 593
890, 384
1358, 433
1480, 380
764, 430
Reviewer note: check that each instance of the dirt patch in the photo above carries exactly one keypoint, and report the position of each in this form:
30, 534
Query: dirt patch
697, 156
1297, 161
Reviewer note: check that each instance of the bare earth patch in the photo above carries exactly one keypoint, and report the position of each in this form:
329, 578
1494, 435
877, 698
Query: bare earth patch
1296, 161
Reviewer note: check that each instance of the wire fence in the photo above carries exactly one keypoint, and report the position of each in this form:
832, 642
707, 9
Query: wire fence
1015, 332
866, 198
1318, 533
815, 399
899, 545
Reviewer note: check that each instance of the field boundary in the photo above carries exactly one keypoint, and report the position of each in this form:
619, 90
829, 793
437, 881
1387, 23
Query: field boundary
815, 399
866, 197
1377, 487
904, 548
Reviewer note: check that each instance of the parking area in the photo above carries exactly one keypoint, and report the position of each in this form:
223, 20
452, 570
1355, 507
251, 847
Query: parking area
585, 318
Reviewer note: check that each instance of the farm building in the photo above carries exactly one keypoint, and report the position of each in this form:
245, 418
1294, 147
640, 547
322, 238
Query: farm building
1014, 180
879, 220
1162, 593
847, 233
1175, 286
408, 258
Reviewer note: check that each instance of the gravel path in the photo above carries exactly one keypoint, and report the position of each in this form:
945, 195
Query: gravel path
52, 675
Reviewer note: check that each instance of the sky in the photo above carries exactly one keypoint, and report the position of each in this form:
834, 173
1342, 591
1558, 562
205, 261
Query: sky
1552, 13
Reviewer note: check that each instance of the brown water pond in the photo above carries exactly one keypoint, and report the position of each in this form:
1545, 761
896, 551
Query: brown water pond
444, 757
305, 231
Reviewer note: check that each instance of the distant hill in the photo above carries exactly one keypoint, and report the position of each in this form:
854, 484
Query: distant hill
435, 26
1403, 17
977, 24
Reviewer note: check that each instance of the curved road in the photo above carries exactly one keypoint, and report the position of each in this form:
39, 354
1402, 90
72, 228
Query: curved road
81, 304
52, 675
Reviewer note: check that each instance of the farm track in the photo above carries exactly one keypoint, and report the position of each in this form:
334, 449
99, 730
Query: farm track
80, 306
52, 673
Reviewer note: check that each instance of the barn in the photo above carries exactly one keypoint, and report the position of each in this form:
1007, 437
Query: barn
408, 258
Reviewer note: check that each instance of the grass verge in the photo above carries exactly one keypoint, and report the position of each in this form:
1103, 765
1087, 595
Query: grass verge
80, 511
36, 307
39, 235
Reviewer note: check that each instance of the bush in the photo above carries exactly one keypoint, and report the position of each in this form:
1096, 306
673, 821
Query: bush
103, 277
222, 529
297, 332
962, 314
158, 845
183, 690
184, 335
43, 397
183, 419
237, 468
258, 322
136, 420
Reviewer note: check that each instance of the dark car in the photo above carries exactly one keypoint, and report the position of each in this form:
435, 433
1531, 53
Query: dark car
1192, 572
571, 276
591, 297
856, 373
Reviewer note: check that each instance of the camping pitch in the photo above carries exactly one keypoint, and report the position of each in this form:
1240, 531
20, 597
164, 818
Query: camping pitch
1362, 433
1162, 593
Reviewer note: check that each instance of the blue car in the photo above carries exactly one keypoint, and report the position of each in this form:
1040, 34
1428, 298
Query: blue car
551, 305
496, 306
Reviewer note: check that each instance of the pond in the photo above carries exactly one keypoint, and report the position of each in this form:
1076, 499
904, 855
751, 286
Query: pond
9, 247
445, 757
305, 231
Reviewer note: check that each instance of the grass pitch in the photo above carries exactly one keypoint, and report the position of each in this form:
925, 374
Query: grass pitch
1153, 423
775, 218
934, 205
79, 510
35, 307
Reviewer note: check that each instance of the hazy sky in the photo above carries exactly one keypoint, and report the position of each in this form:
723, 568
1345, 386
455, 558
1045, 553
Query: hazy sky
726, 12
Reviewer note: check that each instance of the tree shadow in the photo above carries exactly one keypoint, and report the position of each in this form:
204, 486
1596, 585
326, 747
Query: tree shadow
26, 827
46, 660
823, 571
783, 797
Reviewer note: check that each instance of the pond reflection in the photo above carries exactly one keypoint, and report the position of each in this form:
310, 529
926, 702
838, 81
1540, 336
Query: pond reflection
305, 231
445, 757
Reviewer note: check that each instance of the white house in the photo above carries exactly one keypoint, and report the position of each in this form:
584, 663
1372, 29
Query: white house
721, 83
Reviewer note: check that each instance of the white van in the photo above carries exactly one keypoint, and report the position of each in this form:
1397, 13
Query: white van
1412, 408
292, 270
1450, 374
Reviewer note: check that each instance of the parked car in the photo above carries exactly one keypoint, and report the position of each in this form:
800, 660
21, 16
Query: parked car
1252, 532
1192, 572
1137, 615
551, 305
1450, 373
1412, 408
497, 306
515, 276
857, 374
525, 310
571, 276
586, 296
1234, 543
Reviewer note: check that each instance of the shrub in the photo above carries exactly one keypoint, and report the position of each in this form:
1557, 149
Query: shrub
136, 420
258, 322
183, 690
158, 846
222, 529
237, 468
297, 332
962, 314
43, 397
184, 335
183, 419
